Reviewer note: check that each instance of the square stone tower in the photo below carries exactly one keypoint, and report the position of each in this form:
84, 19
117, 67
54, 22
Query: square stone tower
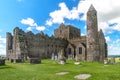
67, 32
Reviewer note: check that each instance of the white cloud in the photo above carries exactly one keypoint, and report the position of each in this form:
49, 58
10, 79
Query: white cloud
40, 28
107, 39
114, 47
2, 46
32, 25
82, 34
28, 21
49, 22
105, 27
29, 28
2, 50
74, 14
2, 40
58, 16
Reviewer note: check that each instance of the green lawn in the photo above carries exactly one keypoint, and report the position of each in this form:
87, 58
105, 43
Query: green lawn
48, 69
117, 59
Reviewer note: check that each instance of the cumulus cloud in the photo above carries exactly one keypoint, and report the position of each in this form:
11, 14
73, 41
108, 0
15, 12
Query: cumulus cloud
2, 40
82, 34
108, 13
28, 21
107, 39
2, 46
40, 28
2, 50
114, 47
29, 28
32, 24
58, 16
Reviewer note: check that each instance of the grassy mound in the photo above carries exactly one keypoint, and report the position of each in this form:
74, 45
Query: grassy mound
48, 69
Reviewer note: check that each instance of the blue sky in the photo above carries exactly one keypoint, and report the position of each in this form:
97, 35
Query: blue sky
46, 15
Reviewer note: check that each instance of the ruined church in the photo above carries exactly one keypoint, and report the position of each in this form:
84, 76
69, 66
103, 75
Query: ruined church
21, 45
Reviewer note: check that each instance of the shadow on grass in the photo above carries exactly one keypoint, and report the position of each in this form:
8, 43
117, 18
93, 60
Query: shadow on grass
5, 67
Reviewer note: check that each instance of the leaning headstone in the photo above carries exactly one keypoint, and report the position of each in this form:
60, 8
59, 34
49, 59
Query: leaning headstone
61, 58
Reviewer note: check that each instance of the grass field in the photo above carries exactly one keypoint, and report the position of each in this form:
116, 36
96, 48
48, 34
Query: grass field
48, 69
117, 59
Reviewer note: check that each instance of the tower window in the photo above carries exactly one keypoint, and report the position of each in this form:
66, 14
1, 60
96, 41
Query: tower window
60, 31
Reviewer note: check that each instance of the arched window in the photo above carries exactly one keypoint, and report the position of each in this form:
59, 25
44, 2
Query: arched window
69, 50
60, 31
48, 45
80, 50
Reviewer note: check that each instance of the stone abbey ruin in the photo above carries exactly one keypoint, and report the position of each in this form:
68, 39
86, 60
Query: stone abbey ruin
22, 46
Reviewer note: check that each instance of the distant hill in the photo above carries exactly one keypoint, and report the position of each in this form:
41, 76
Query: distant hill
3, 55
113, 55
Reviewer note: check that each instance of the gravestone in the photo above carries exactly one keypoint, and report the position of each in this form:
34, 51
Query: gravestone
105, 62
77, 57
70, 57
77, 60
18, 60
56, 57
61, 57
112, 61
34, 60
2, 62
53, 56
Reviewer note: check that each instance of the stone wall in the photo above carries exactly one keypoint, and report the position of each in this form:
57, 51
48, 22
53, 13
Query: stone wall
102, 48
28, 45
9, 42
62, 32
